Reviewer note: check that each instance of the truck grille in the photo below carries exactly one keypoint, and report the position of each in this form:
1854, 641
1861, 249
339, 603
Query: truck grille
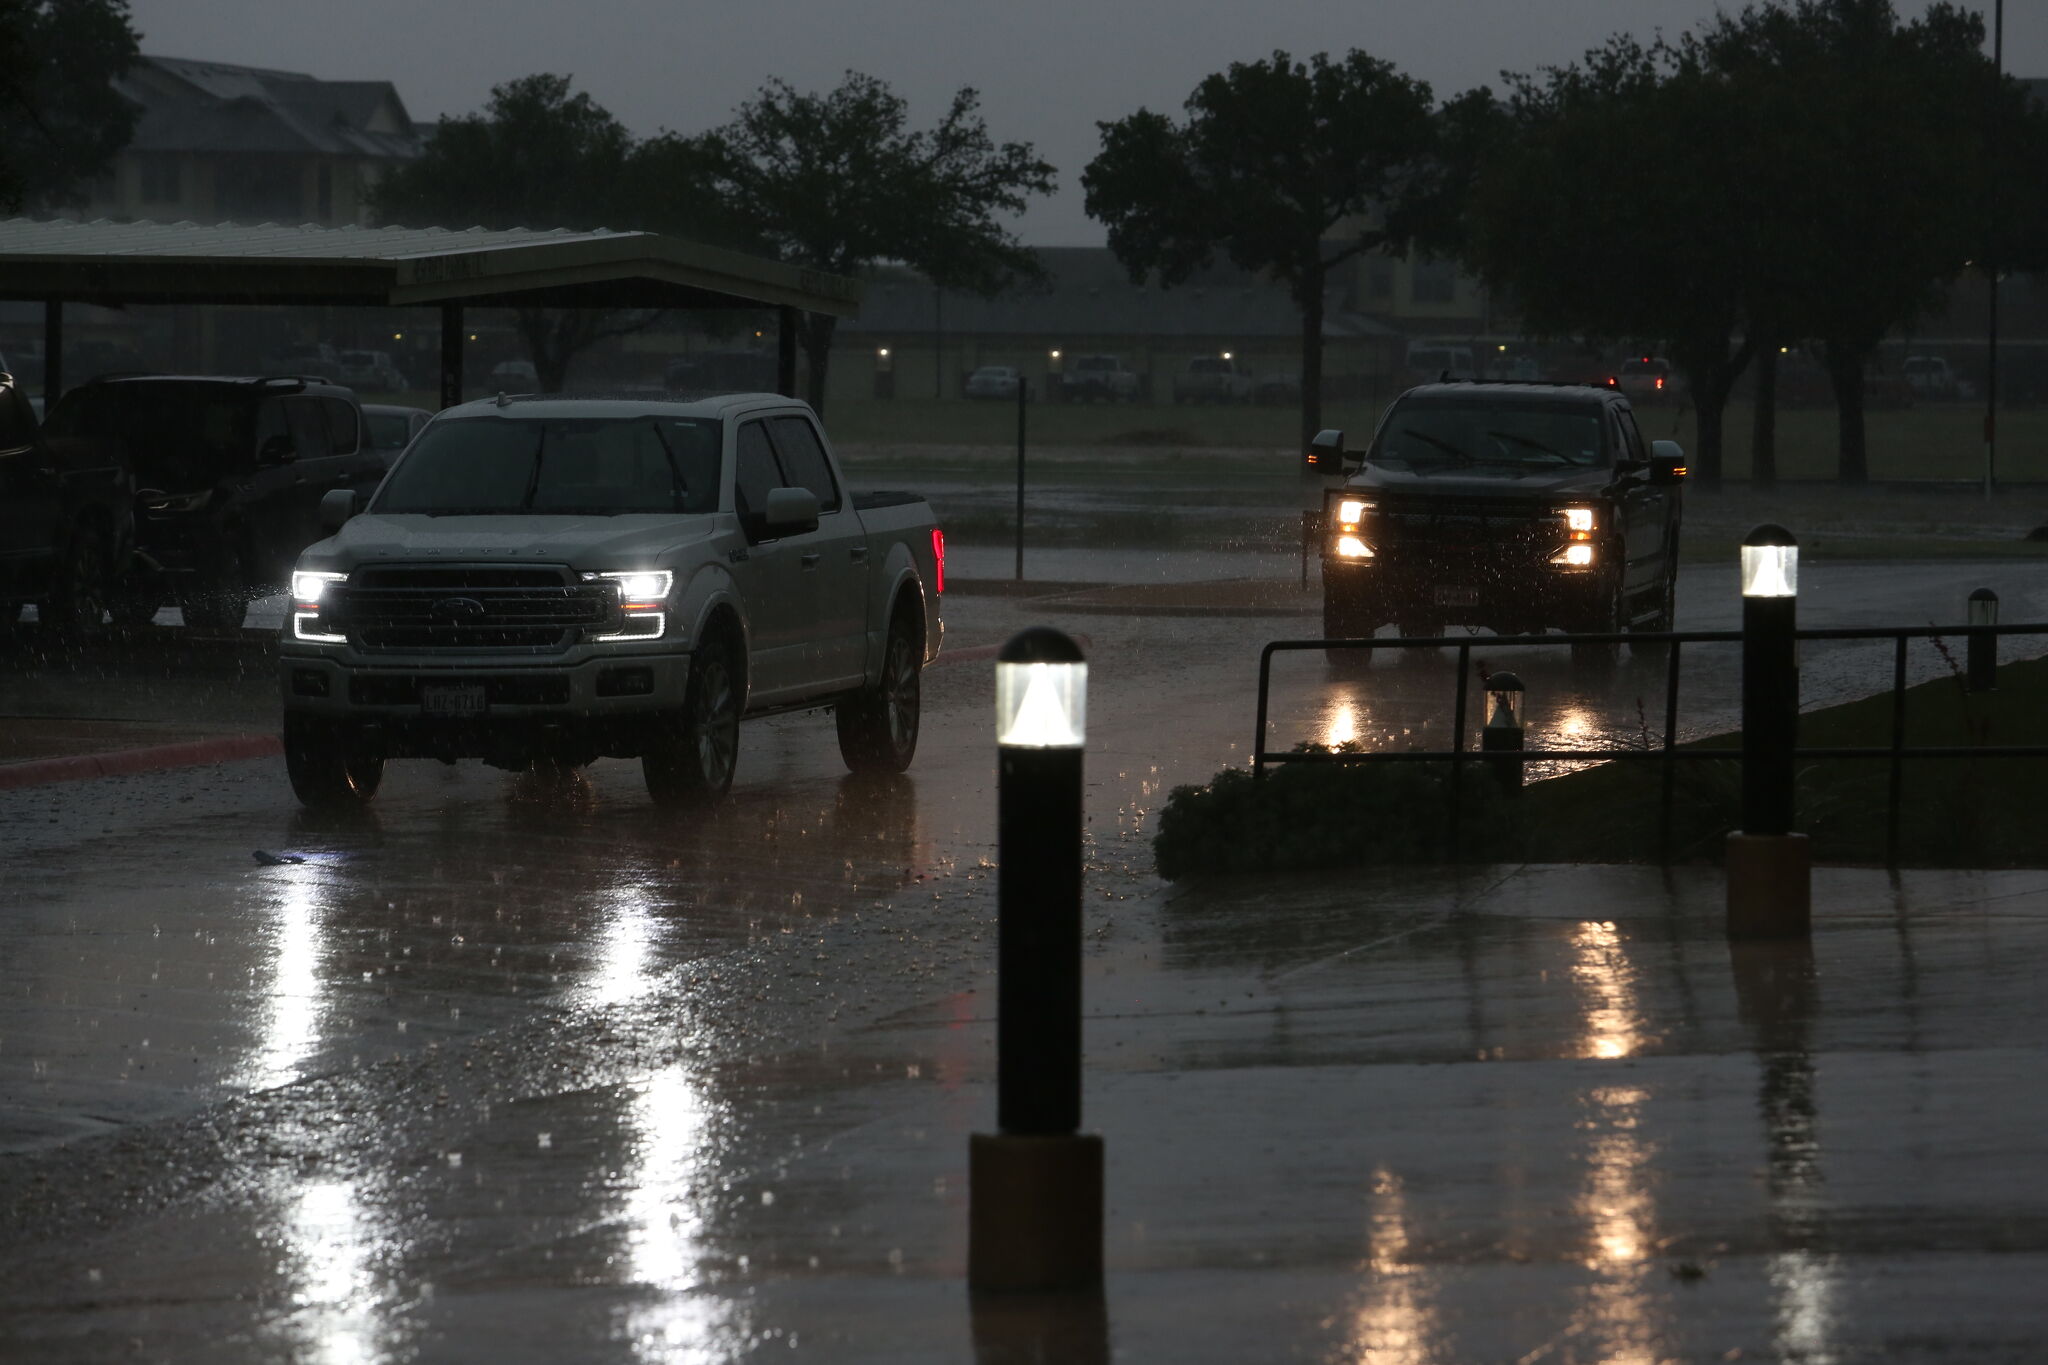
537, 609
1426, 528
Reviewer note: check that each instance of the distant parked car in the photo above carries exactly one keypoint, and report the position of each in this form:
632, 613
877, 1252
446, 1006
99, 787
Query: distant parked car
994, 381
391, 429
371, 370
67, 522
731, 371
515, 375
1647, 379
1089, 377
1930, 377
1433, 363
1214, 379
1276, 388
309, 360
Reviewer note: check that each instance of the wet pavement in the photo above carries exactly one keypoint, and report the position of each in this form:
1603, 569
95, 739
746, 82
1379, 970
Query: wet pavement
531, 1071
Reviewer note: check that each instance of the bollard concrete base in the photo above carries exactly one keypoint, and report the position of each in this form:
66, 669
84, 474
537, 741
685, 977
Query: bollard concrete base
1770, 886
1034, 1212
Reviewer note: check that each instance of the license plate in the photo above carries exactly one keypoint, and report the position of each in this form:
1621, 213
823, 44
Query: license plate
445, 700
1457, 597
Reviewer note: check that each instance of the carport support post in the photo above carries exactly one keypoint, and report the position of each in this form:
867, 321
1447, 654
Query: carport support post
451, 354
53, 352
785, 351
1023, 395
1770, 876
1034, 1193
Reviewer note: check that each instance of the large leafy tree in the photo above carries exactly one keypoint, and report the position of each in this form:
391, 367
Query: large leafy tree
539, 155
65, 121
1288, 168
840, 182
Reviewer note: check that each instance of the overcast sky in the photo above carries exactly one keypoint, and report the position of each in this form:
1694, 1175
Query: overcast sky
1047, 70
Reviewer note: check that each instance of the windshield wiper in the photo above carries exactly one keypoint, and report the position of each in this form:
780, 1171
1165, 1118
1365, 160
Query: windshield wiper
1442, 445
1533, 444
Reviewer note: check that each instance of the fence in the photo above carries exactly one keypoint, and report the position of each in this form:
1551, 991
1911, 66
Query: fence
1667, 752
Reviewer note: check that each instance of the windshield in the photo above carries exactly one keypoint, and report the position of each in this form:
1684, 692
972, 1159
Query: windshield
593, 466
388, 430
177, 437
1430, 437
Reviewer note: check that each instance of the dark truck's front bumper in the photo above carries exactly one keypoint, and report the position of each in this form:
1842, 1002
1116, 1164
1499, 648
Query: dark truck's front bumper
1511, 597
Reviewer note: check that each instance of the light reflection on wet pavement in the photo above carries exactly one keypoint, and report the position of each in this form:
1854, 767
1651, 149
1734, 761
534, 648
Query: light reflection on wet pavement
527, 1070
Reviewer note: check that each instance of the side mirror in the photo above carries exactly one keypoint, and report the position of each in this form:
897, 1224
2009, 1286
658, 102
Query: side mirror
1667, 462
337, 505
790, 512
1326, 452
277, 450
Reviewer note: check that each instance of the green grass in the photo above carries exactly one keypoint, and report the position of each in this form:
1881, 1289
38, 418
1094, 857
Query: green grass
1961, 812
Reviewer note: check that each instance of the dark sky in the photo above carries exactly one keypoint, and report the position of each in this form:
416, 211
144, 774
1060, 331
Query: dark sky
1048, 70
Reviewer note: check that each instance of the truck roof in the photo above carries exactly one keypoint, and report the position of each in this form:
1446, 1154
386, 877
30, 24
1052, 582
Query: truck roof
1508, 390
620, 405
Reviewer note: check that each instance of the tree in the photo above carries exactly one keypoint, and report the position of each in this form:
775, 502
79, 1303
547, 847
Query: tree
1274, 158
66, 122
839, 182
1857, 106
1611, 204
539, 156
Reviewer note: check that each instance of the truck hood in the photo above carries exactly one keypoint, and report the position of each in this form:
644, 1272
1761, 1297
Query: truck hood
1485, 482
594, 543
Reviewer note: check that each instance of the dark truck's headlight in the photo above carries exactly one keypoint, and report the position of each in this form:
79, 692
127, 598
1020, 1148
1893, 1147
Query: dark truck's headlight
1346, 518
310, 593
1579, 525
643, 602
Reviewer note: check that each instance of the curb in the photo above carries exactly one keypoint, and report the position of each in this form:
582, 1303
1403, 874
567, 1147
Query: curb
120, 762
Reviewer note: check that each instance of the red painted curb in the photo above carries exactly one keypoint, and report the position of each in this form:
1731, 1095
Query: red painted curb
80, 767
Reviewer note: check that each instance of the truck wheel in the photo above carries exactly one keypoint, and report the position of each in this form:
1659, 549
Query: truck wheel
1342, 620
1667, 614
1608, 622
692, 758
878, 725
77, 604
327, 771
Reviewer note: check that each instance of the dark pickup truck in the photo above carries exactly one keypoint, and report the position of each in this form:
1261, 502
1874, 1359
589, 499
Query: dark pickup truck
67, 523
1516, 507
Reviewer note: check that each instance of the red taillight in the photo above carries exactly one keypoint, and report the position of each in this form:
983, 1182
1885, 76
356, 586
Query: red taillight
938, 560
1660, 381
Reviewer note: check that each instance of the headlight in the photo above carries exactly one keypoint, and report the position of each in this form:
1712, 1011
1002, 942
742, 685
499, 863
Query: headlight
640, 587
1578, 518
1574, 556
1353, 511
310, 585
1351, 547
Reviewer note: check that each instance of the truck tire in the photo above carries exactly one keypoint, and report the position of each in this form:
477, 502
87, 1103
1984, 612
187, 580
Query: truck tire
1342, 620
214, 598
1607, 622
1667, 614
878, 725
693, 755
77, 605
327, 771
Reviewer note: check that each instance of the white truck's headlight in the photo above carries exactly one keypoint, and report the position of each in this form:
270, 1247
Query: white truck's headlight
310, 585
640, 587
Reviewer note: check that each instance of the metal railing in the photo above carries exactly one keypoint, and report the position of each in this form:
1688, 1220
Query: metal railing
1667, 751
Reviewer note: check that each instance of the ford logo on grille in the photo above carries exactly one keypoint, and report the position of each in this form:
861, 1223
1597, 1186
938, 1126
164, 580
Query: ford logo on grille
458, 609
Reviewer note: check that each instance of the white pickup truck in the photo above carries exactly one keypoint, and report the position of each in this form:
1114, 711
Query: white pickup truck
552, 580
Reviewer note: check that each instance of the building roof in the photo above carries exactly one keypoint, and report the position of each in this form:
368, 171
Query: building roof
217, 107
132, 263
1090, 294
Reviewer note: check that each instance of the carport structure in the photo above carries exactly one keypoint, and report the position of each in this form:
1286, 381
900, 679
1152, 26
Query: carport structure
116, 264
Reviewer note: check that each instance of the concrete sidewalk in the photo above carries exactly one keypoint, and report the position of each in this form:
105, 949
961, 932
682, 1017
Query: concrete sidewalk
1519, 1114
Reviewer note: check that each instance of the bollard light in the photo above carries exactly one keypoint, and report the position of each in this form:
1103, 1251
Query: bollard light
1035, 1187
1769, 881
1502, 733
1982, 667
1770, 563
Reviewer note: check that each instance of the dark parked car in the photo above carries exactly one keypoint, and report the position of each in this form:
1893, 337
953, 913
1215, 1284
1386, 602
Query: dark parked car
66, 523
392, 428
1518, 507
229, 475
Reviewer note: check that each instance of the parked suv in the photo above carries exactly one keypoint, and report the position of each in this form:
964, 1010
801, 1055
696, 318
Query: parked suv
1518, 507
229, 475
370, 370
66, 523
1090, 377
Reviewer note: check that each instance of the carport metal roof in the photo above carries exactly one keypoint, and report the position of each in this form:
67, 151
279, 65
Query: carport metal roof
133, 263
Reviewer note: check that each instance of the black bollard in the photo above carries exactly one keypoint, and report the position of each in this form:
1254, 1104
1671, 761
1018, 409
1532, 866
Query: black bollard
1769, 876
1035, 1188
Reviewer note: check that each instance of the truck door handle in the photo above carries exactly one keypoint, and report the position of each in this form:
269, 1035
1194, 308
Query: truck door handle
809, 561
860, 554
